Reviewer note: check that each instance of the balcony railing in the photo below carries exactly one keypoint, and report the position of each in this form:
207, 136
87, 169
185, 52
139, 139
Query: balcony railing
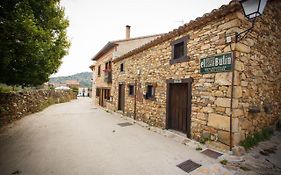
108, 76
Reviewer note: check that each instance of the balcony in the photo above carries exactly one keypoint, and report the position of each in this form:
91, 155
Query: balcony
108, 76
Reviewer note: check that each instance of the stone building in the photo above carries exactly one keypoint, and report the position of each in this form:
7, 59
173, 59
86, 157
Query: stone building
102, 69
72, 83
183, 79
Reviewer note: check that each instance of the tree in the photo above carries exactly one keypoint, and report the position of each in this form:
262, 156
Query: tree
32, 40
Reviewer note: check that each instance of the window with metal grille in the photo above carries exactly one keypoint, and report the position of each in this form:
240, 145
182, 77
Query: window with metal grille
107, 94
131, 89
150, 91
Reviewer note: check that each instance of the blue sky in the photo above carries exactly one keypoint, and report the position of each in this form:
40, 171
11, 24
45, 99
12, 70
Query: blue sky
95, 22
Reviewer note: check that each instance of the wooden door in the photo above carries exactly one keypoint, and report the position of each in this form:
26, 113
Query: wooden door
101, 97
179, 107
121, 97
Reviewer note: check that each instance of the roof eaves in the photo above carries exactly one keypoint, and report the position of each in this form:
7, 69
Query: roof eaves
214, 14
105, 49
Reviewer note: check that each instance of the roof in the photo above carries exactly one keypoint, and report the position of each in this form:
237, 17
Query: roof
112, 44
233, 6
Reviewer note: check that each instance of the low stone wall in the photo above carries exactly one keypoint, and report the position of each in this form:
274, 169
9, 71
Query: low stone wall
15, 105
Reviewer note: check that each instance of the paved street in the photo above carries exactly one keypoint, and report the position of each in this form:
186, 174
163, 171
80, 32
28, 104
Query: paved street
79, 138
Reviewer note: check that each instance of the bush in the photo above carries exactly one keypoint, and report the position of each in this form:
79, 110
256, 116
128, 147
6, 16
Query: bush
255, 138
75, 90
5, 89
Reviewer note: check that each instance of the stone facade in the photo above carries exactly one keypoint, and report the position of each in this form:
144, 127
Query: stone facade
256, 81
108, 53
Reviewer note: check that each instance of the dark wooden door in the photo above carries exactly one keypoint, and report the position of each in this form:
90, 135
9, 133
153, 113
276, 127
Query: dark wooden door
101, 97
179, 107
121, 97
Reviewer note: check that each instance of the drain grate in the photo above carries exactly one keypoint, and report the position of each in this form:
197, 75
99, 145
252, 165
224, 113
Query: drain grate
124, 124
188, 166
211, 153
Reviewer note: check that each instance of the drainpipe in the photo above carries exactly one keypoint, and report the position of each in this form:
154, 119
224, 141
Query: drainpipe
135, 100
231, 97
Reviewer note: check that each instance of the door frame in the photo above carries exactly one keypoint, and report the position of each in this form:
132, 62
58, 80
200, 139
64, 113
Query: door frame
187, 81
123, 92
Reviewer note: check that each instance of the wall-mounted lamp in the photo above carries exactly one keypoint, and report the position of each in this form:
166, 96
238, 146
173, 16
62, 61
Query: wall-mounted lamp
251, 9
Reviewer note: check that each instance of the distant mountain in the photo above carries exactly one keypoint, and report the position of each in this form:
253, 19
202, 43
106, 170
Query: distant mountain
84, 79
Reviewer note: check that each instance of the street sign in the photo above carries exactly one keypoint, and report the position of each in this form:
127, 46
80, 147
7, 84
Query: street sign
216, 63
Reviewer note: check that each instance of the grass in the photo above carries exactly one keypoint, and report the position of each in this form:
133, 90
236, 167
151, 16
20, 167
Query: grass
223, 162
198, 148
254, 139
203, 140
5, 89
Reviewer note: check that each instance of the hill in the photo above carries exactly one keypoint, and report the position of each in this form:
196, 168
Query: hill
84, 78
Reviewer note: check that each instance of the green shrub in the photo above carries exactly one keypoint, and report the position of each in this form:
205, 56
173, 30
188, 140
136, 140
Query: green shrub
3, 111
223, 162
203, 140
255, 138
5, 89
74, 89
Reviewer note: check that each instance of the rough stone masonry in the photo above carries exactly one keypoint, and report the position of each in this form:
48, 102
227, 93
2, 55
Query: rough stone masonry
257, 91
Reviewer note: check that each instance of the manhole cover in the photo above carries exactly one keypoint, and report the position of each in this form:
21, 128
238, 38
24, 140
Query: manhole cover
188, 166
124, 124
211, 153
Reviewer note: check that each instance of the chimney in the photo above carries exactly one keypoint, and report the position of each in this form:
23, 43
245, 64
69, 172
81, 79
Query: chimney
128, 31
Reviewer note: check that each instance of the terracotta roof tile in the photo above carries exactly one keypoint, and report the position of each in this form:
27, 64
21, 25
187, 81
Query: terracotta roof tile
199, 21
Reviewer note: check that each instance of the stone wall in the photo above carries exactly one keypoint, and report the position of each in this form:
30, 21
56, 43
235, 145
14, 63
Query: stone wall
15, 105
257, 77
259, 68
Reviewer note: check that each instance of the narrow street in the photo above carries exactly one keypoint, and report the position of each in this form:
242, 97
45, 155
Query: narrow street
78, 138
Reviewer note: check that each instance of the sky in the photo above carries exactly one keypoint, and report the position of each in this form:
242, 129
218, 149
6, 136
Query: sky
95, 22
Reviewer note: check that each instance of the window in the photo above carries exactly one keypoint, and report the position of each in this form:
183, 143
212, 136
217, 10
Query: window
107, 94
97, 92
99, 71
108, 65
150, 91
179, 50
122, 67
131, 89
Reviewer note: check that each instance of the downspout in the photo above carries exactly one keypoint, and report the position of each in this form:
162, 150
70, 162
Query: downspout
135, 100
231, 97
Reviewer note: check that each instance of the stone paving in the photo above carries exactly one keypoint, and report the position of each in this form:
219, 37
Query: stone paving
264, 159
80, 138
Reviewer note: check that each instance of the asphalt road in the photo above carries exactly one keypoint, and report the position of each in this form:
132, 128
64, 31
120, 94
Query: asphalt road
78, 138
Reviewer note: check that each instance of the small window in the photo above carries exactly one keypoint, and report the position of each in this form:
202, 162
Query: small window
99, 71
179, 50
150, 91
107, 94
122, 67
108, 65
97, 92
131, 89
